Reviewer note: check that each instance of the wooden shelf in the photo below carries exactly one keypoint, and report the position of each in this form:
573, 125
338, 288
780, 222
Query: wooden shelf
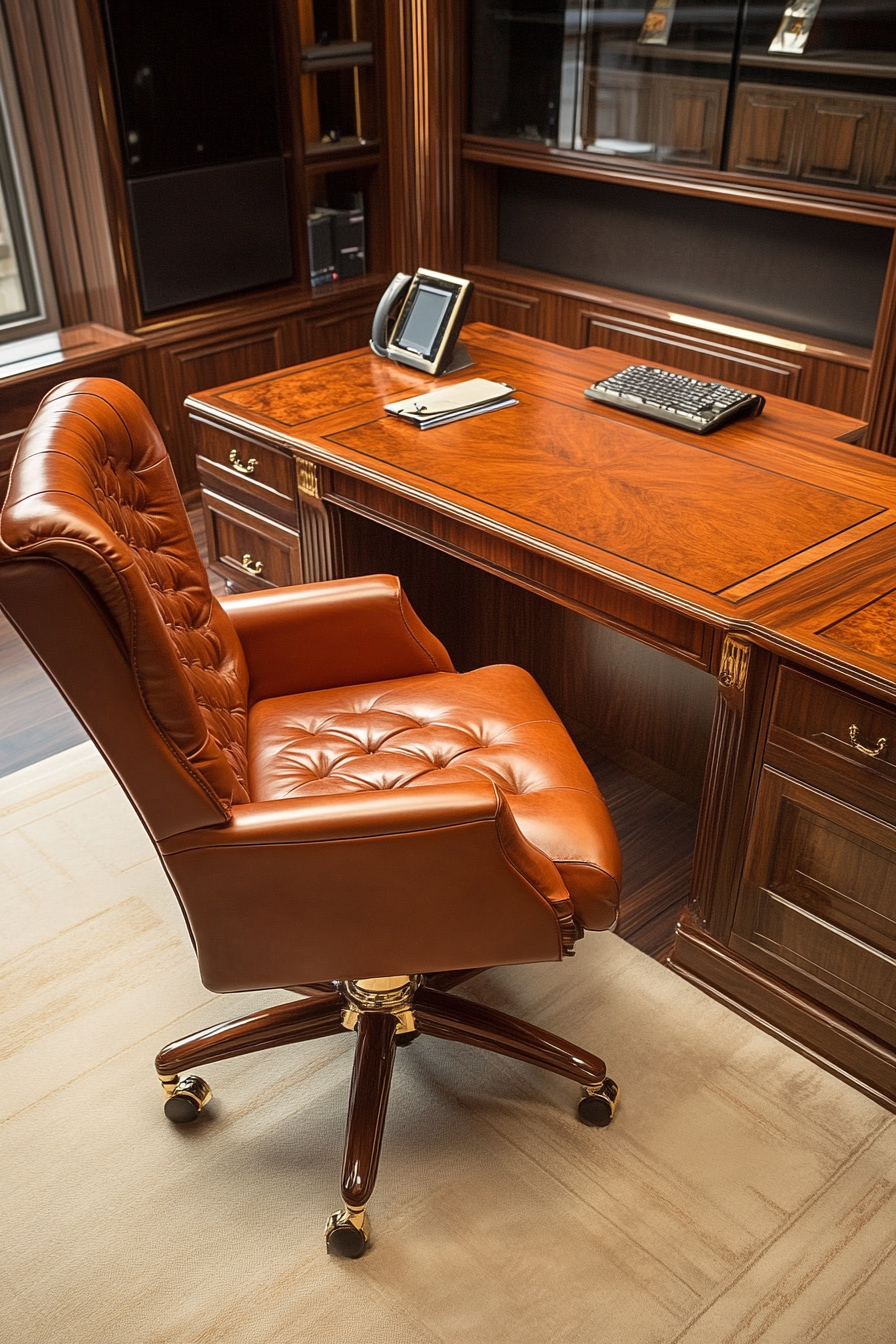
344, 154
804, 199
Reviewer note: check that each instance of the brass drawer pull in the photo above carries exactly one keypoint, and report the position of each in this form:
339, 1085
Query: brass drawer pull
248, 469
866, 751
251, 566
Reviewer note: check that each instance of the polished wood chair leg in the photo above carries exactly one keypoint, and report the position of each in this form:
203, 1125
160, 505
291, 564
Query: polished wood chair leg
348, 1230
284, 1024
453, 1019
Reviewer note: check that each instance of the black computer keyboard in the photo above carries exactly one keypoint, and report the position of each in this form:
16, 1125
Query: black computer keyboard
674, 398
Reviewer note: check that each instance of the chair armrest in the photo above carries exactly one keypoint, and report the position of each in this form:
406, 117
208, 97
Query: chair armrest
342, 633
365, 884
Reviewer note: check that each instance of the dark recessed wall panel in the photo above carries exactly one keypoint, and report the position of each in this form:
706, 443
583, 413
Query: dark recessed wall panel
209, 232
820, 276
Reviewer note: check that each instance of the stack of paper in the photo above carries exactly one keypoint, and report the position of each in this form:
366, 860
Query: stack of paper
444, 405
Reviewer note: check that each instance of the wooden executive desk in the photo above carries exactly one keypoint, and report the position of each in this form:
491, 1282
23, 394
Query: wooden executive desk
761, 557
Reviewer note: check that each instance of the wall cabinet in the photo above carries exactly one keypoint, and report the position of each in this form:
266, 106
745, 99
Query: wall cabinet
605, 168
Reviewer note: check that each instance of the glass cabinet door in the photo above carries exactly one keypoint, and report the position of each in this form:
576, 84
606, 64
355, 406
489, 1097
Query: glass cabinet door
612, 77
515, 70
816, 93
655, 79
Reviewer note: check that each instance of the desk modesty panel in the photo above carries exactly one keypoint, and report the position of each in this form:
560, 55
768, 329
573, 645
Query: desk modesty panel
762, 554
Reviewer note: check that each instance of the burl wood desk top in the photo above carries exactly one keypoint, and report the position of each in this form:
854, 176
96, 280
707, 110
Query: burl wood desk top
773, 528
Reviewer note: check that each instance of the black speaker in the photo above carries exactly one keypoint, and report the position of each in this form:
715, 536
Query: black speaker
196, 95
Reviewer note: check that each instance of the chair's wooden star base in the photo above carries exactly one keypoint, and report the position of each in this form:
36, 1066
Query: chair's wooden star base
384, 1013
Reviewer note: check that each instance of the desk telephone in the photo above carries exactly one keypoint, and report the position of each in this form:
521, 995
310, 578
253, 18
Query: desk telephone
418, 320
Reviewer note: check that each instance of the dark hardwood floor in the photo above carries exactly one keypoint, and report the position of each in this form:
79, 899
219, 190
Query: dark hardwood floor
656, 832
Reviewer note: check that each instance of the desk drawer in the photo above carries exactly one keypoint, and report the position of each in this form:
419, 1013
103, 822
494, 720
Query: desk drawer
250, 551
831, 727
256, 470
818, 904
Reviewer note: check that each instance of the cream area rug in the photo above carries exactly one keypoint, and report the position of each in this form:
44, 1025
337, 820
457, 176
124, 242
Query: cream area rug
741, 1196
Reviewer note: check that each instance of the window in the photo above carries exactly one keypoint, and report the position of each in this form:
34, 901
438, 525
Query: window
27, 303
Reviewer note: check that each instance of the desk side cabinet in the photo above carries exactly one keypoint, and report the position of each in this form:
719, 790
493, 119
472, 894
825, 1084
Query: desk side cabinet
811, 952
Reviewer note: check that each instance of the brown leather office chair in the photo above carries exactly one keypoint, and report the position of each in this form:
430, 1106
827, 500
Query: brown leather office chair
337, 809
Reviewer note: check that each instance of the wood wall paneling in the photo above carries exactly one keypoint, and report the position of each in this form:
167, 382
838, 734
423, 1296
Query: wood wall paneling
54, 84
880, 399
177, 369
707, 358
824, 374
329, 332
692, 111
504, 308
423, 62
837, 140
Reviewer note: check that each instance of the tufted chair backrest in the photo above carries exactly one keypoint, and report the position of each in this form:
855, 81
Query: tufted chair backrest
92, 489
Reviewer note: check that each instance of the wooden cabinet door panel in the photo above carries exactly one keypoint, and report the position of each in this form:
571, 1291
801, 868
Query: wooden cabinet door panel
335, 332
248, 550
618, 106
838, 135
766, 133
883, 172
689, 120
818, 904
502, 308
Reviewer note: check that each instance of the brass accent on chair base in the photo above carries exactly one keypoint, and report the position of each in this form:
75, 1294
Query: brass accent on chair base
598, 1104
390, 994
348, 1232
186, 1097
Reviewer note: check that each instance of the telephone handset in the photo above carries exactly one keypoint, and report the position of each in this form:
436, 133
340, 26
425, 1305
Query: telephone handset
431, 309
382, 327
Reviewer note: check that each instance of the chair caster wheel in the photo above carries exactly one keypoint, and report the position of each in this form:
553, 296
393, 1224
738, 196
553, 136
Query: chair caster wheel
599, 1104
186, 1098
347, 1234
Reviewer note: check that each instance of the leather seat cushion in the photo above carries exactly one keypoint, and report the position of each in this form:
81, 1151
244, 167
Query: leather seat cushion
441, 728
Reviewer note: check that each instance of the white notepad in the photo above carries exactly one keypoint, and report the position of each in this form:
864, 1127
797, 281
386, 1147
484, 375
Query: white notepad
444, 405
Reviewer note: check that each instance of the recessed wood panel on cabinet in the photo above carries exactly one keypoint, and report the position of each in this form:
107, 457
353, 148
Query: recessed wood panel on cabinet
818, 905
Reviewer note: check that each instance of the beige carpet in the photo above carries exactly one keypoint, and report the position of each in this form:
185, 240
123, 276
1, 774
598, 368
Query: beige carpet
741, 1194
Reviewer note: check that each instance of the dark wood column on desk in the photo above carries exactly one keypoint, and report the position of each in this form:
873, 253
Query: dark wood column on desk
761, 556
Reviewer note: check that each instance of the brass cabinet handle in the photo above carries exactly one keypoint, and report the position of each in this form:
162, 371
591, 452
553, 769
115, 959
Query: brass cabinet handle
248, 469
251, 566
866, 751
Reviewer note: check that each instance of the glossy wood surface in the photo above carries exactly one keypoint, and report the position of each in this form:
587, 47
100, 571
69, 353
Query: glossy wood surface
770, 526
368, 1100
456, 1019
284, 1024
